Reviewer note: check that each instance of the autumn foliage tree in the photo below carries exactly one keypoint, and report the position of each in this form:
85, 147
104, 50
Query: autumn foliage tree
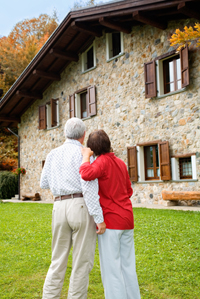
79, 4
21, 45
188, 36
8, 150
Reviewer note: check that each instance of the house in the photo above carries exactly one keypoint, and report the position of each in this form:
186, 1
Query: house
112, 66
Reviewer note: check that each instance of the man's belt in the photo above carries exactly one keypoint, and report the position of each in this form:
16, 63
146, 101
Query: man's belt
62, 197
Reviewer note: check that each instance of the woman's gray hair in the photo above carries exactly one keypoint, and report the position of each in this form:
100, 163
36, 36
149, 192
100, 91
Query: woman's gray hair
74, 128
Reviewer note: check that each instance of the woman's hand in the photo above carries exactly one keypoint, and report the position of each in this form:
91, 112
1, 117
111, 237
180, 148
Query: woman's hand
87, 153
101, 228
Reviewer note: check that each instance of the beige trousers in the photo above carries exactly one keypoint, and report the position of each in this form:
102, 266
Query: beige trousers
71, 226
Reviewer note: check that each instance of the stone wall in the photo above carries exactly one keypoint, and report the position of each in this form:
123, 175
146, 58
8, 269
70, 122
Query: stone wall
122, 110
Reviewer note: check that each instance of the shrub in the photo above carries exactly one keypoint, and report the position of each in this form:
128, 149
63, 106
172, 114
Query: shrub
8, 184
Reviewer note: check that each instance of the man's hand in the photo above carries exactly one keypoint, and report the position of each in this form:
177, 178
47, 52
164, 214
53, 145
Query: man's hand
101, 228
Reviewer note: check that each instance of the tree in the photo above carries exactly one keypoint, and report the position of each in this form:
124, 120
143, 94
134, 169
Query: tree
8, 150
188, 36
80, 4
21, 45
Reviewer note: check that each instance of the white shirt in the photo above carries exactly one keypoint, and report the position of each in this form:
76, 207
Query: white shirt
61, 175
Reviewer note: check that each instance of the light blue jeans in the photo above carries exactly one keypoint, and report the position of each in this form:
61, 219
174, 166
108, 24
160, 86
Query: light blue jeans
117, 261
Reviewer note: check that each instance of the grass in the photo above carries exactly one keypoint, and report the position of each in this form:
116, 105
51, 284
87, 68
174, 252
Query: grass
166, 242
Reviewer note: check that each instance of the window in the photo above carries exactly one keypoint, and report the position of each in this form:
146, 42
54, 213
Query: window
89, 58
152, 170
82, 103
114, 45
172, 74
49, 115
149, 161
184, 167
166, 74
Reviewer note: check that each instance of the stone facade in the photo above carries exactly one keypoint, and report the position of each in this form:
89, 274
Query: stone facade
122, 110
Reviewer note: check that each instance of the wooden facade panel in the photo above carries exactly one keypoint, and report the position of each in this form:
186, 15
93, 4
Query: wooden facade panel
150, 79
72, 106
165, 166
54, 120
46, 62
132, 163
91, 98
185, 80
42, 117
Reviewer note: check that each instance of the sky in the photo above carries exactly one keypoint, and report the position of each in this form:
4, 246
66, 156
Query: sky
14, 11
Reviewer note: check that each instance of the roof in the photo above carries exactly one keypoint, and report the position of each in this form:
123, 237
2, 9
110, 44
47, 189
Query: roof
75, 33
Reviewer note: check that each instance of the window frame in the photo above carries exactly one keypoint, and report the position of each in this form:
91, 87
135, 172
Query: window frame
75, 102
175, 167
154, 74
84, 59
109, 46
49, 115
161, 76
136, 162
155, 177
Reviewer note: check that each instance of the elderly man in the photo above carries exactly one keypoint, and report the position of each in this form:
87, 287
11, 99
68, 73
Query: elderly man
76, 210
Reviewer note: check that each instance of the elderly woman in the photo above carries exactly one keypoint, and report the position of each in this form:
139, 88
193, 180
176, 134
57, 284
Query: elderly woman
116, 245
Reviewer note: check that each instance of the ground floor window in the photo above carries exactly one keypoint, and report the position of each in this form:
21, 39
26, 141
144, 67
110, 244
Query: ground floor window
149, 161
184, 166
152, 170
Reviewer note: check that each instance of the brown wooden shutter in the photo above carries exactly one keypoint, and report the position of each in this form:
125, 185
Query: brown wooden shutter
91, 101
72, 105
54, 121
184, 66
150, 79
132, 163
42, 117
165, 167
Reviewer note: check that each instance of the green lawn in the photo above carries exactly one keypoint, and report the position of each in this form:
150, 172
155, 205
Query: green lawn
167, 253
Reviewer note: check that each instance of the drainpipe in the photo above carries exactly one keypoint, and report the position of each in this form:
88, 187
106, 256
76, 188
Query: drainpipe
18, 159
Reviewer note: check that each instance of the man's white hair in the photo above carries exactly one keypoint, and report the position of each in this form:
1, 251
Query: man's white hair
74, 128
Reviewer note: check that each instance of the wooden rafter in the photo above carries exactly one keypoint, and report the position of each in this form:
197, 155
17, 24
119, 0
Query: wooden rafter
29, 94
82, 27
66, 55
48, 75
114, 25
139, 16
9, 119
184, 9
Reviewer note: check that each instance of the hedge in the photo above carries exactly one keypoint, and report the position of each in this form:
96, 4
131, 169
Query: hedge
8, 184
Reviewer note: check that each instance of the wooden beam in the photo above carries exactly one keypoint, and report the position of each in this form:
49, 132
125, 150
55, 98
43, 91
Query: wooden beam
138, 16
148, 143
183, 155
9, 119
114, 25
82, 27
180, 195
66, 55
48, 75
29, 94
184, 9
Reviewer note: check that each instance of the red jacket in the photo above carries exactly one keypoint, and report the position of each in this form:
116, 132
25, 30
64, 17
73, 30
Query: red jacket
114, 189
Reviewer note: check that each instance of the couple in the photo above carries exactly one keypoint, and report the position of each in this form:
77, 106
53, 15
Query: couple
78, 216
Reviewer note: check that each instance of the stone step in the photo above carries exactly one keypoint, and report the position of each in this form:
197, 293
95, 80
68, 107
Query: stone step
15, 197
